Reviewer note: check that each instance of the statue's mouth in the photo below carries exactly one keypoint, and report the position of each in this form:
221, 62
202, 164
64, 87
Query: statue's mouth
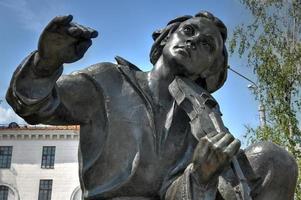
183, 50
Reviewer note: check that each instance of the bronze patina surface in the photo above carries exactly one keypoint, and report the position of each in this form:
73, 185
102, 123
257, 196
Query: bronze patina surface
138, 139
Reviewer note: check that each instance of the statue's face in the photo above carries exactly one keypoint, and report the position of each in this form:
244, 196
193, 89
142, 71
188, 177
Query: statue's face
193, 47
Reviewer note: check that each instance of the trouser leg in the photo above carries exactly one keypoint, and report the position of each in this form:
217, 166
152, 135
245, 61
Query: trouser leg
271, 172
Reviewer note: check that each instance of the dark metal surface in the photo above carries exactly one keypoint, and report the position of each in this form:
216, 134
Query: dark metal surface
135, 141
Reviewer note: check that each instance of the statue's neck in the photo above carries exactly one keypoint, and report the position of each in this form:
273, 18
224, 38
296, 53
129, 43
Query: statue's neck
158, 80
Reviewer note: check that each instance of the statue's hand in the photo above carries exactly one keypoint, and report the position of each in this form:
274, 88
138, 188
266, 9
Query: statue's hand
212, 154
63, 41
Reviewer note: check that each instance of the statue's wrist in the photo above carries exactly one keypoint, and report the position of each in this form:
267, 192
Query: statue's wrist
45, 66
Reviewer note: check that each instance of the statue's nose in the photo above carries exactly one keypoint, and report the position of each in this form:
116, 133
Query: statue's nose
190, 44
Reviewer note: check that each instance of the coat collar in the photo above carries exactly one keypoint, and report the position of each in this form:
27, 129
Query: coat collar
129, 73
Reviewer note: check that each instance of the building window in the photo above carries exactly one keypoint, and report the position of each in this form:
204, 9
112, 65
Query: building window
3, 192
48, 157
45, 190
5, 156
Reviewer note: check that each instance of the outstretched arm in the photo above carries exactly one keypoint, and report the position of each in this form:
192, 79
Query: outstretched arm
34, 92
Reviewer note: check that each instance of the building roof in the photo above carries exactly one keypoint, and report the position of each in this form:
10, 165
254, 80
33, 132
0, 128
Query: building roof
14, 131
15, 126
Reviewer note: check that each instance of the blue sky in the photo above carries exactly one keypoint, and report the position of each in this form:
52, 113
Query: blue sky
125, 28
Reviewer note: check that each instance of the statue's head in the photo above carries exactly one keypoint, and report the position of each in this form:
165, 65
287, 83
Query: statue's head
196, 46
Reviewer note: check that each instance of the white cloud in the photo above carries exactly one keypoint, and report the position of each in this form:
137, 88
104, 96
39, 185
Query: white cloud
24, 13
7, 115
33, 15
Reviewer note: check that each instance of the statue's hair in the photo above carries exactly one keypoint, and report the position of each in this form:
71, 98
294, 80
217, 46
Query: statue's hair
218, 74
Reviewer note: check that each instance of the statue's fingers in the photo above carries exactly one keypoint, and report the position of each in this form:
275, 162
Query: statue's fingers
82, 47
212, 134
232, 148
217, 137
57, 22
87, 33
224, 141
75, 31
63, 20
93, 33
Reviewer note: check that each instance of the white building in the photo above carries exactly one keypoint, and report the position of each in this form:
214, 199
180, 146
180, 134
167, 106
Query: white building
39, 163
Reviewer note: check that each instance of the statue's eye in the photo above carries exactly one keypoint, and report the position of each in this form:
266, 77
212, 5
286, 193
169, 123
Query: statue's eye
207, 44
188, 30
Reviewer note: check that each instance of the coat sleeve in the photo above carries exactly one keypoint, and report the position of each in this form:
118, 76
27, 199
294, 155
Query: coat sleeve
187, 187
54, 99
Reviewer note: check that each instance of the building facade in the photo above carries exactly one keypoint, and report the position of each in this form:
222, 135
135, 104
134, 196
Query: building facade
39, 163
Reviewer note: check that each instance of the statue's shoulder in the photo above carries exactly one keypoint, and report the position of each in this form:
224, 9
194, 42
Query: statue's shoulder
104, 68
123, 62
111, 73
107, 68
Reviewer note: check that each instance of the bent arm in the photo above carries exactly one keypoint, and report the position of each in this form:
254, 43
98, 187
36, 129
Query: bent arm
187, 187
52, 98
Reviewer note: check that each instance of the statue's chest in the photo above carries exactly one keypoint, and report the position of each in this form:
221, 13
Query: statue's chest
175, 149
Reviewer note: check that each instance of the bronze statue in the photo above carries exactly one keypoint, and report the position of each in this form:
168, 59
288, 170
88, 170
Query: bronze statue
138, 140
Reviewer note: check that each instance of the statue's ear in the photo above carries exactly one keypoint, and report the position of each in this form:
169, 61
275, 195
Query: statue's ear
216, 78
211, 71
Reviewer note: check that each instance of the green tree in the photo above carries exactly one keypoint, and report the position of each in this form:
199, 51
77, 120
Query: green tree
271, 45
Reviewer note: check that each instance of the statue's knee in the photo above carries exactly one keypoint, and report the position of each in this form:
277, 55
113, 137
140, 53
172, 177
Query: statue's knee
276, 168
269, 155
